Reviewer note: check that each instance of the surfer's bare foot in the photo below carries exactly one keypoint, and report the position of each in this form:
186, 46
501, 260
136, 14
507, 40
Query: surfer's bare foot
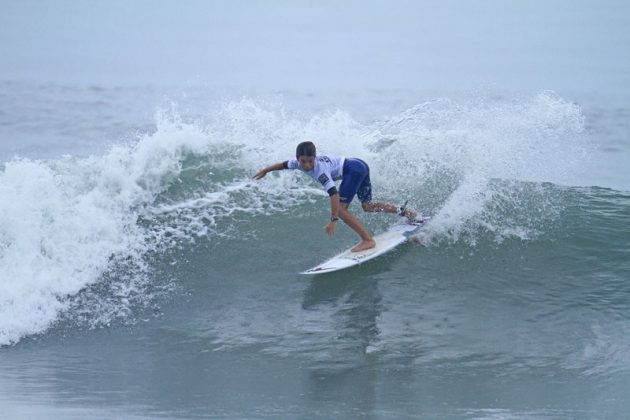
410, 214
364, 245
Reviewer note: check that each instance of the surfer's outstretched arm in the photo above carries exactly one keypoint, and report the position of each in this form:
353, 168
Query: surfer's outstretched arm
275, 167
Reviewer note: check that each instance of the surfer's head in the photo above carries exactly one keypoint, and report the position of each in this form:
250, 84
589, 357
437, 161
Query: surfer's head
305, 154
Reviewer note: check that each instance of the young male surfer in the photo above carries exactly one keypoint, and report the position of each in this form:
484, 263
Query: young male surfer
355, 175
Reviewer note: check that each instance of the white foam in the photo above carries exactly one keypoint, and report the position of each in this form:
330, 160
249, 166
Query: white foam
64, 223
457, 152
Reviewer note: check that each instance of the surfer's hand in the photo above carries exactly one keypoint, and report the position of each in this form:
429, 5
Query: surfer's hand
260, 174
330, 228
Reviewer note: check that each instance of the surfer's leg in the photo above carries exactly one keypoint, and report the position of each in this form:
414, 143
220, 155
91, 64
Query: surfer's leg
364, 193
367, 241
354, 173
370, 206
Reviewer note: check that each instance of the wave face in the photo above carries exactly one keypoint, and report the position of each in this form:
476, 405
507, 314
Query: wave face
83, 240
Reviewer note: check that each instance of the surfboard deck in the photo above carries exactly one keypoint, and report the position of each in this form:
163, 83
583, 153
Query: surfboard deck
385, 242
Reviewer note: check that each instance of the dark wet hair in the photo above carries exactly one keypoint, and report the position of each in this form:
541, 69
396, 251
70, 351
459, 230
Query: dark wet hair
306, 148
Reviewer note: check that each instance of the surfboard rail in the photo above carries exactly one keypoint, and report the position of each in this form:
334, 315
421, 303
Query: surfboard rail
385, 242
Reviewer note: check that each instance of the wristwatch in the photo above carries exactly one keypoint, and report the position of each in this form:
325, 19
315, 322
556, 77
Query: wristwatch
333, 219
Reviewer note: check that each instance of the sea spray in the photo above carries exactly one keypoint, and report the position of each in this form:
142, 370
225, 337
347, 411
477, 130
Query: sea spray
65, 222
78, 236
457, 159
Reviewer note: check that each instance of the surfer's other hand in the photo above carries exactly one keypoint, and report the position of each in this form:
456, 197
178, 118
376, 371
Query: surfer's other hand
330, 228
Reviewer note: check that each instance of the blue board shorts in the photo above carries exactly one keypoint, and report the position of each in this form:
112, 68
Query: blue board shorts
356, 180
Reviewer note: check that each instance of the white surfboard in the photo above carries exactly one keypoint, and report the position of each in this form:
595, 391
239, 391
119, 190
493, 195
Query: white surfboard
385, 242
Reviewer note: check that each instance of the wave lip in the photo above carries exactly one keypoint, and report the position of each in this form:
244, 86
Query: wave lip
67, 224
64, 223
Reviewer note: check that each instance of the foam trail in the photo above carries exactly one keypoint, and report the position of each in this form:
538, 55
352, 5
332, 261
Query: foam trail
67, 224
452, 155
70, 223
64, 222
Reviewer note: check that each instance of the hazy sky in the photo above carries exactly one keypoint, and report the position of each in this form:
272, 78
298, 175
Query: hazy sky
546, 44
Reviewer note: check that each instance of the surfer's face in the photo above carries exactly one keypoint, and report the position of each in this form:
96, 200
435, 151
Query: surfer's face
307, 162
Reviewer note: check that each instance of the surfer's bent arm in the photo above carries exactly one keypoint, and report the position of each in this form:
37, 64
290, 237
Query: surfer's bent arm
275, 167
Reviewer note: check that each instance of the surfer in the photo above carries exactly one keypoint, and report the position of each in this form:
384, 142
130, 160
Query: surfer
355, 176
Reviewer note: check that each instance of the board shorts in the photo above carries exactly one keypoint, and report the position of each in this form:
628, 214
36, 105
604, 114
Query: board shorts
356, 180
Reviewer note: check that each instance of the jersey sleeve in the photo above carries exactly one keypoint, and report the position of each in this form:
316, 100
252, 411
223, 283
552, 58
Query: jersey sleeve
326, 180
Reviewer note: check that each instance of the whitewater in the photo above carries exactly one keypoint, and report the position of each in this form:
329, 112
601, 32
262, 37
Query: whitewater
67, 222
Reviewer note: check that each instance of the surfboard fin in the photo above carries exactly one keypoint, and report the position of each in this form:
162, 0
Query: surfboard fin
418, 221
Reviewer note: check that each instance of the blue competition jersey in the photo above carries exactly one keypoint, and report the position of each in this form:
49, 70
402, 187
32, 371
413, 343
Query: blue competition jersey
326, 171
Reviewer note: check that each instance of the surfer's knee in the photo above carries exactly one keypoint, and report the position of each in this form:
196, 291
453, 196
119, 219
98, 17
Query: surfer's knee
367, 206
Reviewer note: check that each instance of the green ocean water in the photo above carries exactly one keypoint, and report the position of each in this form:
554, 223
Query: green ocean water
151, 277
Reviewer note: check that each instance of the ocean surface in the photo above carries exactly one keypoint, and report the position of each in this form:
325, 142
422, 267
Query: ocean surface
145, 274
